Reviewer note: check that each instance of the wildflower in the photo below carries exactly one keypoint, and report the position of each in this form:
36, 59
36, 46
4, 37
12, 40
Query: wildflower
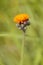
22, 20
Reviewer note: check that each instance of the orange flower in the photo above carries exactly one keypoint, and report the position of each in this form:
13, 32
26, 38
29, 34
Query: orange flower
21, 18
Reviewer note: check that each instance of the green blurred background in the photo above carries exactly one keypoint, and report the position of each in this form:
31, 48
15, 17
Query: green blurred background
11, 36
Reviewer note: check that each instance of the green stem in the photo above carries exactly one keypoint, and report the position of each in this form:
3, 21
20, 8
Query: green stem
22, 49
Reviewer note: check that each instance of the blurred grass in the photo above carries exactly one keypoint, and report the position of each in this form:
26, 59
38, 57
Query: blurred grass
11, 37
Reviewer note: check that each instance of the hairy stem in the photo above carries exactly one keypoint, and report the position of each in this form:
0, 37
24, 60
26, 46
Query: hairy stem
22, 49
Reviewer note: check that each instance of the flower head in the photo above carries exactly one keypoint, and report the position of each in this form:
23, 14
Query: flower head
21, 18
22, 21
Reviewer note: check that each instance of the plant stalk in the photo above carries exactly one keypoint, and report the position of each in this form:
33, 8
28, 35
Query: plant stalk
22, 49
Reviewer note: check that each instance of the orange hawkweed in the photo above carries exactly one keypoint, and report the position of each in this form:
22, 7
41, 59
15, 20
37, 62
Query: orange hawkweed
22, 21
21, 18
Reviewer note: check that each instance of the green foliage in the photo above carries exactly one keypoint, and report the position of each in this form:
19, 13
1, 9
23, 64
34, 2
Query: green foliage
11, 36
